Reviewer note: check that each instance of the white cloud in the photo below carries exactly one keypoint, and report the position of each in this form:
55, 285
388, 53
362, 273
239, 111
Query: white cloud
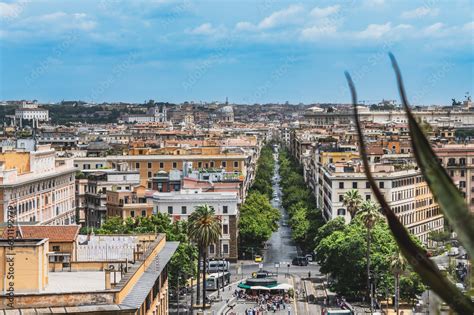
204, 29
245, 26
375, 30
10, 10
290, 15
285, 16
374, 3
436, 29
318, 31
324, 12
57, 22
469, 26
420, 12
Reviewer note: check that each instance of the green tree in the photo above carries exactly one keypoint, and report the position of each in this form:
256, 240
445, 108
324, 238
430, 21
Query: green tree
369, 214
337, 224
299, 224
258, 219
398, 265
205, 229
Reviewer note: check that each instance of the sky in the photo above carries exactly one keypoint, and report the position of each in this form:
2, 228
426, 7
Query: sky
264, 51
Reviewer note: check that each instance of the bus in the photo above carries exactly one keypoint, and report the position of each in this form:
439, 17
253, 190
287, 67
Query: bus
214, 279
218, 266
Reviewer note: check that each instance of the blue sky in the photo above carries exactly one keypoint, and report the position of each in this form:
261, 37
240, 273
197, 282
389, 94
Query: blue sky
250, 51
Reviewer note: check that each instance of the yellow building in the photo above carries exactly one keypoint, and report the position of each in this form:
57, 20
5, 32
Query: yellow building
125, 283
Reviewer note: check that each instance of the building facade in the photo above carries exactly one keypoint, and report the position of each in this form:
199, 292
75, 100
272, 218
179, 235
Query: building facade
180, 204
39, 185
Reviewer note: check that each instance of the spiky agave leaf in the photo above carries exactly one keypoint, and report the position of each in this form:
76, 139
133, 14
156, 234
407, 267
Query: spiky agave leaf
415, 255
447, 195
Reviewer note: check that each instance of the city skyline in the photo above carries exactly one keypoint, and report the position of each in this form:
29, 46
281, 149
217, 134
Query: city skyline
272, 51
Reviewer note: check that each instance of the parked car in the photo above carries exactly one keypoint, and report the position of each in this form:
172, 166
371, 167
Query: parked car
258, 258
300, 261
454, 251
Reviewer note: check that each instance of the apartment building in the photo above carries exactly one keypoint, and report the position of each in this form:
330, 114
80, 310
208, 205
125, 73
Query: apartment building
180, 204
131, 279
92, 189
404, 189
458, 160
149, 165
39, 185
130, 203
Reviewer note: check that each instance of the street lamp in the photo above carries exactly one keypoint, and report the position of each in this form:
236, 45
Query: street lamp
192, 296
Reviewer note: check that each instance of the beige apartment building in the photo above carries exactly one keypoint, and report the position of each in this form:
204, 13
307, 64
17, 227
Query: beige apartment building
39, 185
458, 160
403, 187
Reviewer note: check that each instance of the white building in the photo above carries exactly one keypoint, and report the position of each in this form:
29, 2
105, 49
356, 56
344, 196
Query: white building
154, 114
406, 192
31, 111
180, 204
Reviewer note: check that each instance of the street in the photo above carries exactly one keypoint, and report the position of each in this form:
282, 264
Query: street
280, 251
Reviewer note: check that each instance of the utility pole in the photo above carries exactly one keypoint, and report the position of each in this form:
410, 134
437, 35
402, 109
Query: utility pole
177, 302
192, 296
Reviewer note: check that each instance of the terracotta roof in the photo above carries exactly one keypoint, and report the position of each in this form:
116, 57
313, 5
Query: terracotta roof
55, 233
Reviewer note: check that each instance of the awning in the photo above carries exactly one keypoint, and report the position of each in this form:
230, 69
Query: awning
259, 287
243, 286
283, 286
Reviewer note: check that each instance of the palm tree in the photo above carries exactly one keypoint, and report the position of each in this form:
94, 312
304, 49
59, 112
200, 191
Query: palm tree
369, 214
398, 265
204, 229
352, 201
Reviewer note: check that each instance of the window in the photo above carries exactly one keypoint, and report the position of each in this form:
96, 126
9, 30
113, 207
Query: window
367, 197
149, 175
132, 213
170, 209
224, 164
199, 164
183, 210
341, 198
211, 249
137, 165
462, 173
175, 165
354, 185
225, 248
236, 163
381, 184
462, 184
56, 249
341, 211
225, 209
143, 213
341, 185
161, 165
149, 164
225, 229
212, 163
367, 185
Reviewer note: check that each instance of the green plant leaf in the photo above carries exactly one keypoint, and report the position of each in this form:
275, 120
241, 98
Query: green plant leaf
415, 255
446, 193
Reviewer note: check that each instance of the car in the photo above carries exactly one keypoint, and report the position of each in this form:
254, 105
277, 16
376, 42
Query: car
309, 256
258, 258
300, 261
